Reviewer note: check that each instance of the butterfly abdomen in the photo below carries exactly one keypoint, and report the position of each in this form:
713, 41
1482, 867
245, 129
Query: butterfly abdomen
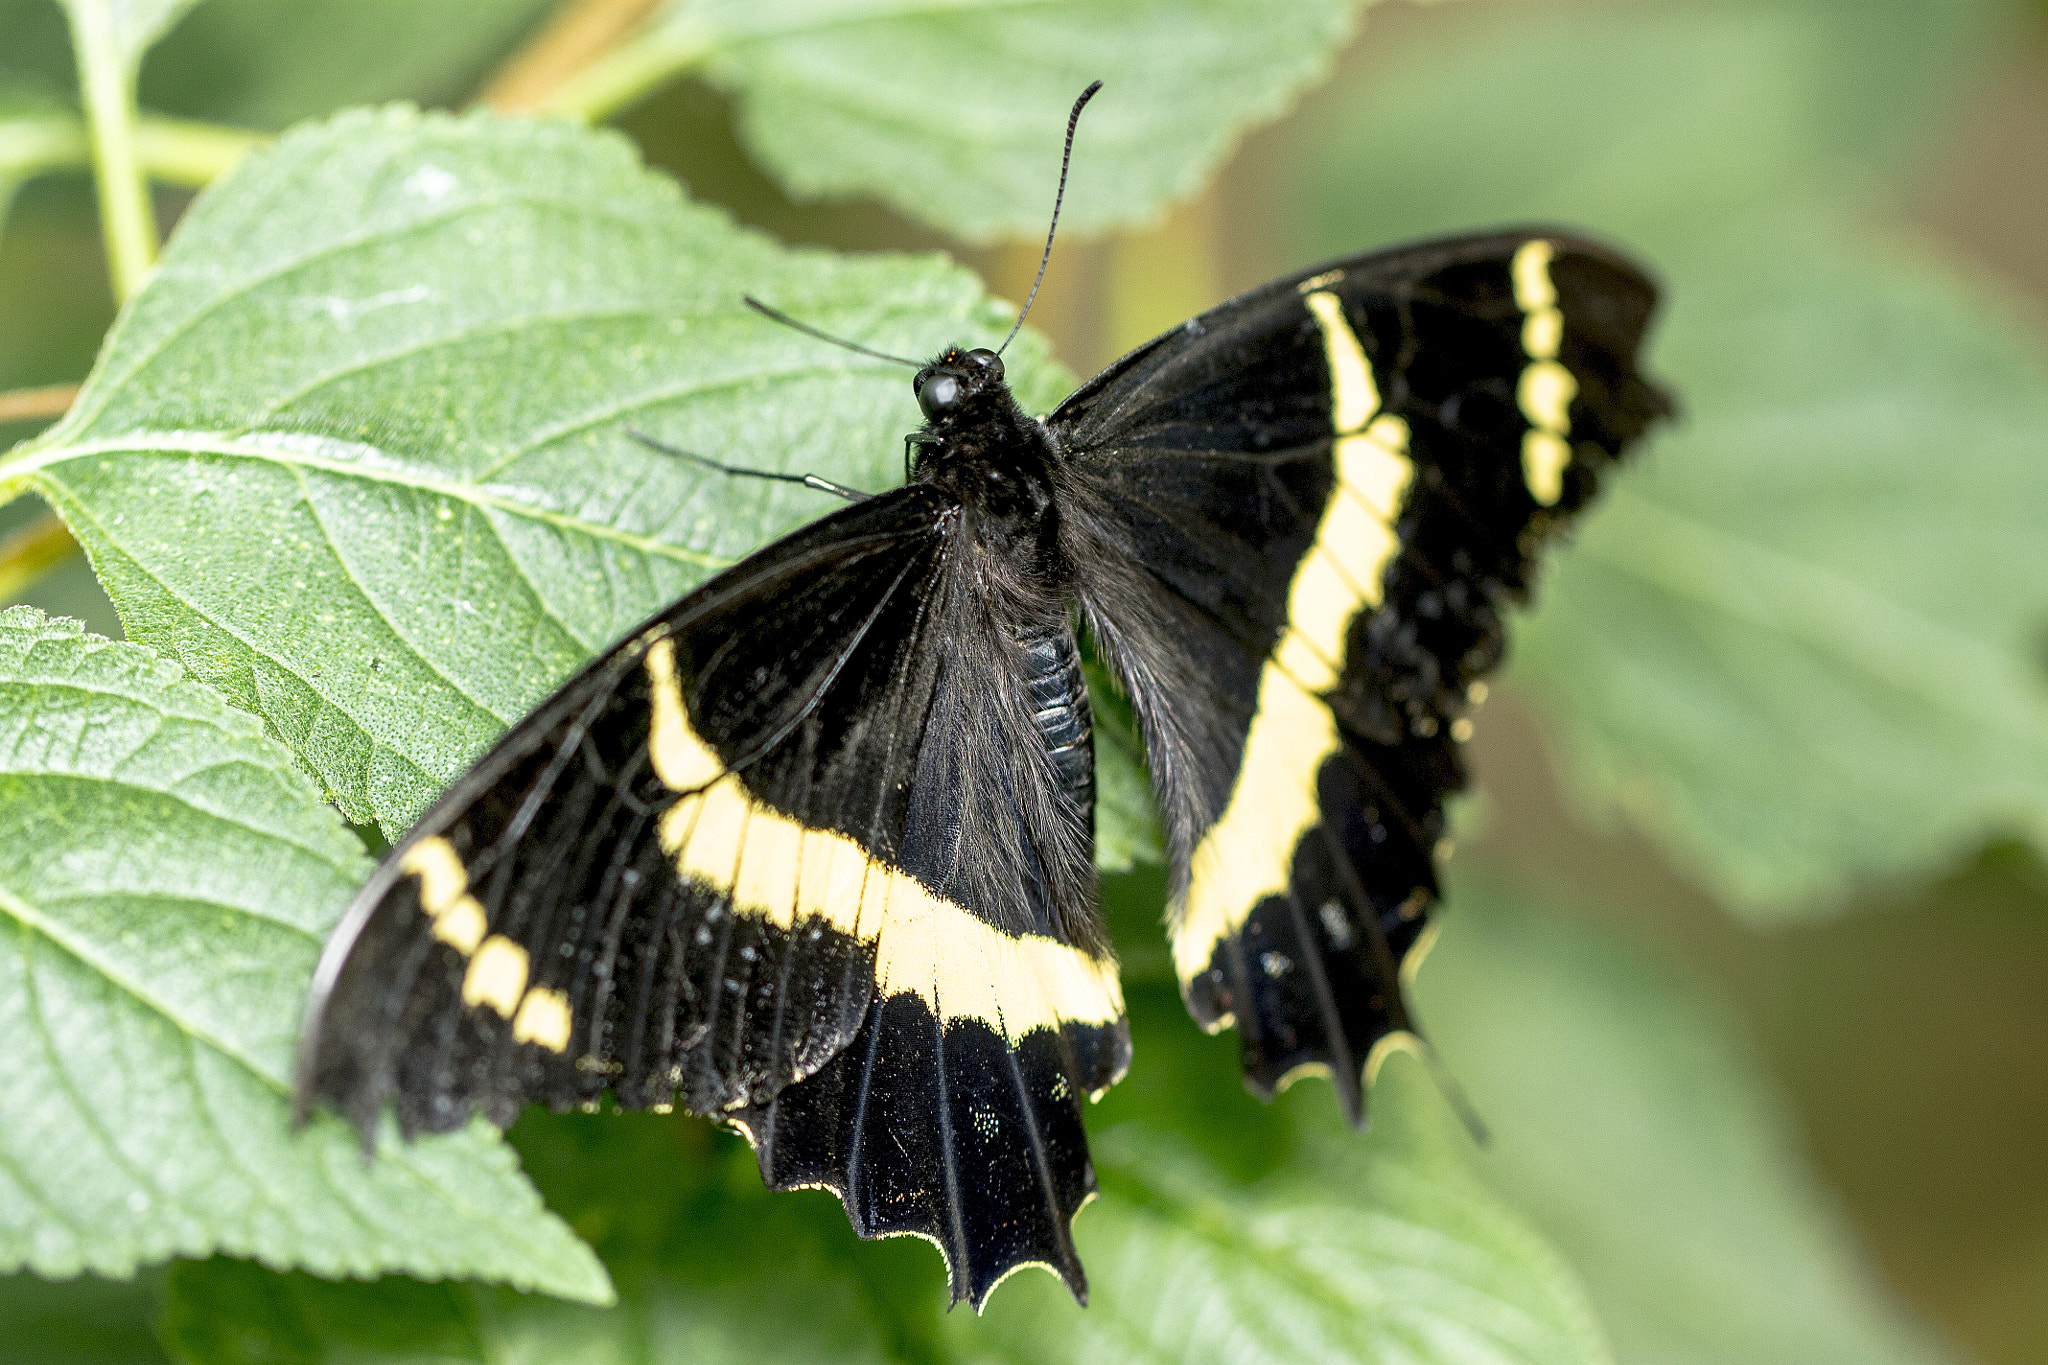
1059, 707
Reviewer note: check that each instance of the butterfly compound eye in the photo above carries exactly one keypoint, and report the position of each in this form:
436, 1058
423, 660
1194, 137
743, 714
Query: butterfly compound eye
987, 361
938, 394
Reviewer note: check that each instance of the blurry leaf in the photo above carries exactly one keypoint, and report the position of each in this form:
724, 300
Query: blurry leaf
1796, 644
37, 53
952, 113
1632, 1125
387, 371
1127, 823
1799, 643
86, 1321
261, 64
164, 886
1380, 1248
1674, 117
711, 1269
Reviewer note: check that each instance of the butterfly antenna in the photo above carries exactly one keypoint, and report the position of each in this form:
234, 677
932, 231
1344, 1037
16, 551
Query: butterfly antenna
1057, 199
786, 320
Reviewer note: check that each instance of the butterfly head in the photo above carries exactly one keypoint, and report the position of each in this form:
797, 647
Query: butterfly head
947, 388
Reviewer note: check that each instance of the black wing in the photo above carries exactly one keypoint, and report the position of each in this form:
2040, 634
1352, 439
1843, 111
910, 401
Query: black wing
701, 873
1298, 519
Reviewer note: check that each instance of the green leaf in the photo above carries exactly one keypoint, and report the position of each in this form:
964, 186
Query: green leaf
1674, 118
709, 1265
260, 64
86, 1321
1632, 1124
166, 881
1127, 822
953, 113
1799, 643
1802, 643
387, 370
1382, 1248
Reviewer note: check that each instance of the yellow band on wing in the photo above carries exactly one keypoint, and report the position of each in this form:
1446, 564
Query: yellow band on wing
783, 871
1247, 854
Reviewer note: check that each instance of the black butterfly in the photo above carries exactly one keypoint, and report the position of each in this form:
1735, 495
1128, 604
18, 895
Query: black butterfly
811, 850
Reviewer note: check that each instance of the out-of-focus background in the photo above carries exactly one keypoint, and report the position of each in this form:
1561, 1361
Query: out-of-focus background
1832, 189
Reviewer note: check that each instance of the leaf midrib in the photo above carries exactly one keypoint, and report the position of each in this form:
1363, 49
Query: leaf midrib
43, 464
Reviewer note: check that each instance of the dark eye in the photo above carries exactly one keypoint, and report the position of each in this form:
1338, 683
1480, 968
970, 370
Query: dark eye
990, 363
938, 394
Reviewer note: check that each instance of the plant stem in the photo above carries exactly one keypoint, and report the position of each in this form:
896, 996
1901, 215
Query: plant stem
174, 150
27, 405
577, 34
106, 77
189, 153
38, 143
32, 551
630, 73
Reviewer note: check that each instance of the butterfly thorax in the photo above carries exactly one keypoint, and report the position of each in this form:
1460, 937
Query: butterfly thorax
980, 445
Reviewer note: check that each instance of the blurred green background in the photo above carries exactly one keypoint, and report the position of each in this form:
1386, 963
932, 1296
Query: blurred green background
1896, 1044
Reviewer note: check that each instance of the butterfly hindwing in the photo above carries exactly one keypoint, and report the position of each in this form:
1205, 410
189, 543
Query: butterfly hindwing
955, 1115
726, 866
1299, 518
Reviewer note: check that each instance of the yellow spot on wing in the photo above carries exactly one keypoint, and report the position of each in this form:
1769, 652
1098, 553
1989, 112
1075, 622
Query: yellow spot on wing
461, 926
459, 919
1543, 333
543, 1018
770, 860
1546, 394
967, 968
442, 877
1313, 282
1547, 388
1531, 270
1544, 457
496, 975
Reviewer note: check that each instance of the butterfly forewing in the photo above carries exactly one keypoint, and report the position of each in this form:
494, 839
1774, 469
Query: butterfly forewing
1301, 517
710, 871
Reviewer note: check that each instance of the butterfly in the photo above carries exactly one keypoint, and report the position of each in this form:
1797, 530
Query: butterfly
811, 850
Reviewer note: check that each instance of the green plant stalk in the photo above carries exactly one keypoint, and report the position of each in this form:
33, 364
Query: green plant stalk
176, 151
106, 77
31, 552
631, 72
30, 146
189, 153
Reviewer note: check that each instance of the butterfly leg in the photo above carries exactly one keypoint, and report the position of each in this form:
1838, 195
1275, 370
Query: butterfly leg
910, 444
822, 485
